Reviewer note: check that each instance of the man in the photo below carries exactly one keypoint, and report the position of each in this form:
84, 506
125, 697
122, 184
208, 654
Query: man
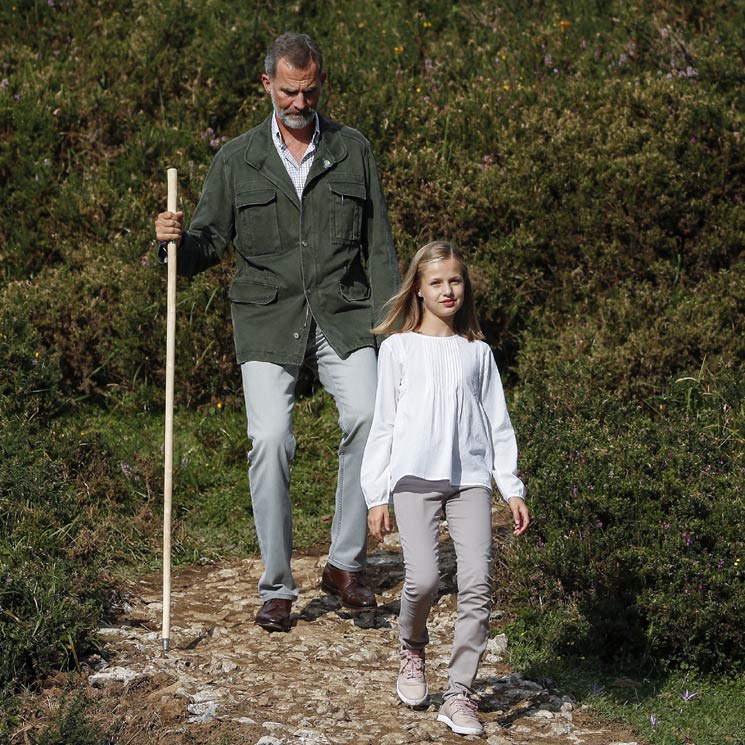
300, 199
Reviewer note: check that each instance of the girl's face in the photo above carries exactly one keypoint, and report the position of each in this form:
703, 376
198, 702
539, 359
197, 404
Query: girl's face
441, 287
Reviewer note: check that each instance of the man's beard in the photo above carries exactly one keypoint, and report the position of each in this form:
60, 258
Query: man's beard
297, 120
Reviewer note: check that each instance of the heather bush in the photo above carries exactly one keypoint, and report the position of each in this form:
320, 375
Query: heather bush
636, 339
51, 591
637, 547
30, 381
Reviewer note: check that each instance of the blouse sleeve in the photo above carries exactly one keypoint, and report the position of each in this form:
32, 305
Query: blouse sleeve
504, 444
376, 461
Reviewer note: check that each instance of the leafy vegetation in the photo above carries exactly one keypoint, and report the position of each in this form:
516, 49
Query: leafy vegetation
589, 159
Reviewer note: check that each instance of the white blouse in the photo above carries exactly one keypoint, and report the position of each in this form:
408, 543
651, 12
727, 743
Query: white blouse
440, 415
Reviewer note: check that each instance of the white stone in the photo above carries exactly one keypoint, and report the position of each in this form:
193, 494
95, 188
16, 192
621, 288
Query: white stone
311, 737
203, 712
497, 644
561, 728
209, 694
112, 675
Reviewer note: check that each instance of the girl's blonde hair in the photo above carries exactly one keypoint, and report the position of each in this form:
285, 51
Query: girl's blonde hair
405, 307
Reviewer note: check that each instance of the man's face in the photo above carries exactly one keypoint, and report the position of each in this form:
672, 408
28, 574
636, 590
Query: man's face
294, 92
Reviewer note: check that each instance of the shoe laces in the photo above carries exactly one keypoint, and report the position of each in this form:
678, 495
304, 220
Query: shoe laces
464, 705
412, 664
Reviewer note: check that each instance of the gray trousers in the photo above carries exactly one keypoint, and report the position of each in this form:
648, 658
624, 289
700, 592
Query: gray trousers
418, 505
269, 391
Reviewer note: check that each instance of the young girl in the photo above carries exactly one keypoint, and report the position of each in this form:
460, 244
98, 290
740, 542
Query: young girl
440, 433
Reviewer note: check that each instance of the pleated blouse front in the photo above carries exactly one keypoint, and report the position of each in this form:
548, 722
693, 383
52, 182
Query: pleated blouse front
440, 415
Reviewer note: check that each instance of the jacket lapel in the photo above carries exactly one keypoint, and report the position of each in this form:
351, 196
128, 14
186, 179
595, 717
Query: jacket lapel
262, 155
331, 149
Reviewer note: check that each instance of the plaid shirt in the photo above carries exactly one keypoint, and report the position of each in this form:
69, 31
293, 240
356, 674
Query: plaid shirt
298, 172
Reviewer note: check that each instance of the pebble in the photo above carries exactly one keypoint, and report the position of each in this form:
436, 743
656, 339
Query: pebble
330, 680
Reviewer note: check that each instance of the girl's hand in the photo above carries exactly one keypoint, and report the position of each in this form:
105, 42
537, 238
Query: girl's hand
520, 514
379, 521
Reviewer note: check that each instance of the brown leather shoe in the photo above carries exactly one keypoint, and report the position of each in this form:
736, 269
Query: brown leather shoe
274, 615
347, 586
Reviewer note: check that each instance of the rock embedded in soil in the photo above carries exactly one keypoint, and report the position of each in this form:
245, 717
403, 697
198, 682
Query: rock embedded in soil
331, 679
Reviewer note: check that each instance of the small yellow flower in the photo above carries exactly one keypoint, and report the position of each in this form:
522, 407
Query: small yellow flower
427, 24
219, 404
565, 24
398, 50
418, 89
507, 86
361, 24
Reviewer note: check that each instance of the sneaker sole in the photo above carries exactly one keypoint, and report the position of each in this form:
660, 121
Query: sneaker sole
412, 701
459, 730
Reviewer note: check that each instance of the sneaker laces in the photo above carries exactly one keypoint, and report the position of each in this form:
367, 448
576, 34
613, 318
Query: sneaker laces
412, 664
464, 705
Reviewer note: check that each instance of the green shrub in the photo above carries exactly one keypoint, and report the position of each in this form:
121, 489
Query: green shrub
72, 726
30, 381
637, 545
636, 338
50, 589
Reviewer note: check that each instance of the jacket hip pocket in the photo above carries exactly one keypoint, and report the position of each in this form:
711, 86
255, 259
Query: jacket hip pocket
246, 291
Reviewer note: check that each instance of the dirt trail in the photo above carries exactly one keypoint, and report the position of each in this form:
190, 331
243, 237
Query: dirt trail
330, 680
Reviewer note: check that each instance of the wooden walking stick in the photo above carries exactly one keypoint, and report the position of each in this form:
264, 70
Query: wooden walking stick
170, 367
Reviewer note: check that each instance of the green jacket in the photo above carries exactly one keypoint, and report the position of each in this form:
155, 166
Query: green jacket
329, 256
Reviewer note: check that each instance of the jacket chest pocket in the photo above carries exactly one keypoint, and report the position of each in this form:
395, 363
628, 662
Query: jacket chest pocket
257, 223
348, 207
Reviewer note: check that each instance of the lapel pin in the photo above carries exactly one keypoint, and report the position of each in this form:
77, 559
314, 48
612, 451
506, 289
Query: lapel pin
327, 164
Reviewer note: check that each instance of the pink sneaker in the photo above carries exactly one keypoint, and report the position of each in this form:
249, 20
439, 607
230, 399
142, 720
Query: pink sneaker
459, 713
411, 685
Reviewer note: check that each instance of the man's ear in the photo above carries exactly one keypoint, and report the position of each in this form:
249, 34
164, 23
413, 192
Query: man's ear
267, 82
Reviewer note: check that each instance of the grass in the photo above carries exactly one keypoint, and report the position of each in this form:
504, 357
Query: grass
211, 499
668, 710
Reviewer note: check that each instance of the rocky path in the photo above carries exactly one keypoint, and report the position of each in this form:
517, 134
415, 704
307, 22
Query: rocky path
330, 680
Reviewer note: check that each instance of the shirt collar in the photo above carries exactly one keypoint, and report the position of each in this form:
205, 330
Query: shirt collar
280, 141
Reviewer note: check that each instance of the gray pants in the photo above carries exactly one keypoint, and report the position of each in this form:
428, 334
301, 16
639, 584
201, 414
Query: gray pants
269, 391
418, 505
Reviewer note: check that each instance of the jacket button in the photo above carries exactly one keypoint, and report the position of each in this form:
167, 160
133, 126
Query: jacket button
296, 335
303, 243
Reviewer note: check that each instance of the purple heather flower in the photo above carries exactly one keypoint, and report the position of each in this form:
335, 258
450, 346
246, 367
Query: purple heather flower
687, 696
653, 719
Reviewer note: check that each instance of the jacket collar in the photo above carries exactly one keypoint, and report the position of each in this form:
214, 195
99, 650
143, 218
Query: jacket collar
262, 155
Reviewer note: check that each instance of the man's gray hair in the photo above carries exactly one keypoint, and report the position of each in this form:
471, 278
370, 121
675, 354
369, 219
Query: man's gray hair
298, 49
